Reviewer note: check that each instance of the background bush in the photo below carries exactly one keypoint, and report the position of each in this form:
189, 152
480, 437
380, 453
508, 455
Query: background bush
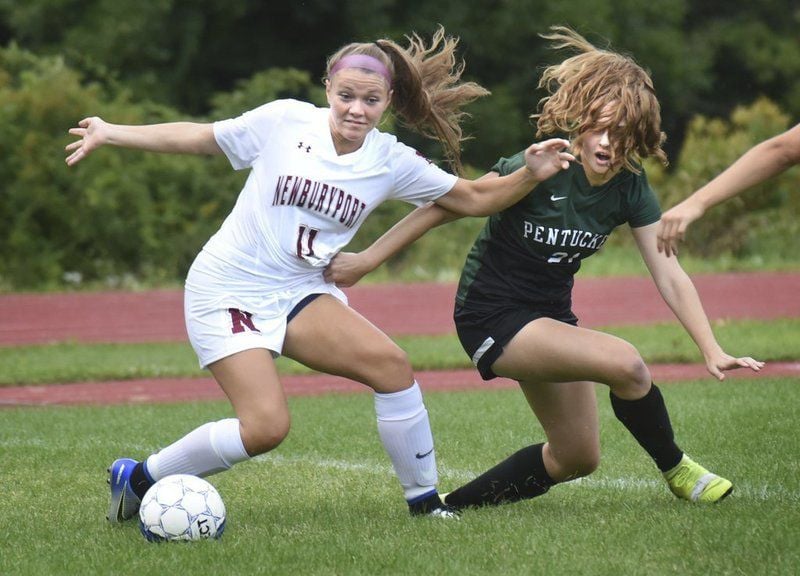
121, 214
728, 76
763, 220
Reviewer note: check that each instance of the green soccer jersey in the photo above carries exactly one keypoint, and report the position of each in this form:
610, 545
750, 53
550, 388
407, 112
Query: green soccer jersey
531, 251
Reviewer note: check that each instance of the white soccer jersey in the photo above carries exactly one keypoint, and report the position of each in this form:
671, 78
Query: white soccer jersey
302, 203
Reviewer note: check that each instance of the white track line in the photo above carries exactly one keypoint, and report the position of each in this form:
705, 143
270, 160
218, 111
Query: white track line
765, 492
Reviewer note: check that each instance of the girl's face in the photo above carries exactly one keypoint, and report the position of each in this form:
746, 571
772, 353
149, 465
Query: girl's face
597, 157
598, 151
358, 100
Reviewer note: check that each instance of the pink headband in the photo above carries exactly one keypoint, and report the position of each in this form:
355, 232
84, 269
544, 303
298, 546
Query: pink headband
365, 63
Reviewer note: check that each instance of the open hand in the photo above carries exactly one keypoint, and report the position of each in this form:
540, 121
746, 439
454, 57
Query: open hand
93, 134
722, 362
547, 158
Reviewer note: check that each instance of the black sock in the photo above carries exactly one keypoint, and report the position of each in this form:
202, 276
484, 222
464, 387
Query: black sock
648, 421
520, 476
139, 481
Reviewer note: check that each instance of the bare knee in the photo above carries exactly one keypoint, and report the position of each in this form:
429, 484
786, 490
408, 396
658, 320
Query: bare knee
395, 358
389, 369
574, 463
264, 430
632, 379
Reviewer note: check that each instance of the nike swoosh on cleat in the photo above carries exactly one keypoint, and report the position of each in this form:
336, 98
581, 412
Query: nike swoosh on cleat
421, 456
119, 474
555, 198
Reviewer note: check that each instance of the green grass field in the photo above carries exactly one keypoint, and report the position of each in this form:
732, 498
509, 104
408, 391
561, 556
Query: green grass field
72, 362
326, 501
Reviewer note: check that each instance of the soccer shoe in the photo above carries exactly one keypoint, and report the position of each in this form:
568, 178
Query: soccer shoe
444, 512
124, 503
690, 481
432, 505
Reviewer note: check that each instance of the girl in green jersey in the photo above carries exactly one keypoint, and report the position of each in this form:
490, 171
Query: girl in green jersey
513, 309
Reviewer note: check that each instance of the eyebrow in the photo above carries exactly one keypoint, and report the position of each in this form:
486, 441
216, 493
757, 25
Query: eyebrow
349, 87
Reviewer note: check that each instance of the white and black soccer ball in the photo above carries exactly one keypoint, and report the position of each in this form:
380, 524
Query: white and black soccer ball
181, 507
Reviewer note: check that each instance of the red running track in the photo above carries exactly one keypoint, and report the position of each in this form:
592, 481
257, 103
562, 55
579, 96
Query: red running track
167, 390
396, 309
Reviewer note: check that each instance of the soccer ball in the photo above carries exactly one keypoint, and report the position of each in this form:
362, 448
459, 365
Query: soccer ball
181, 507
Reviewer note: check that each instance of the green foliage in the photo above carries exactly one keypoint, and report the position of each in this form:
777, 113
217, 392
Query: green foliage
752, 55
122, 213
124, 217
760, 222
266, 86
180, 53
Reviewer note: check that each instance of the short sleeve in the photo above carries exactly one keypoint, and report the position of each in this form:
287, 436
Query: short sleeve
242, 138
506, 166
417, 179
643, 207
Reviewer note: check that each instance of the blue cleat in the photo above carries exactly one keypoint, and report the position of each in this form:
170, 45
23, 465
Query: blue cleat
432, 505
124, 503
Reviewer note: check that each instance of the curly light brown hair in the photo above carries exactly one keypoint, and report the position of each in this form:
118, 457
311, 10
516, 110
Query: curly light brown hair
597, 90
427, 90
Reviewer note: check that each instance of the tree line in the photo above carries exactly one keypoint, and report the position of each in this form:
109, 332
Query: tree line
727, 75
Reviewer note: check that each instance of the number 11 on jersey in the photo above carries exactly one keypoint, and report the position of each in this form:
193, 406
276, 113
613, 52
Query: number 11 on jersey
305, 241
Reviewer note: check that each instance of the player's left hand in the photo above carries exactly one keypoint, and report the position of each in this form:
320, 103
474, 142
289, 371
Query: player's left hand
721, 362
547, 158
346, 268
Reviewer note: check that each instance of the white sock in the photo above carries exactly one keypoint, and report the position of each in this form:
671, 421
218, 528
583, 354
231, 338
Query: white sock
405, 431
211, 448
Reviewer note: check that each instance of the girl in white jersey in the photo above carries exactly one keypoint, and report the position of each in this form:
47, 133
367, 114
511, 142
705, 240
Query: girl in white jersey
514, 309
257, 289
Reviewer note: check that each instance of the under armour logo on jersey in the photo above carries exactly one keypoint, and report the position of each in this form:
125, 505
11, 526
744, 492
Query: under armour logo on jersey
301, 146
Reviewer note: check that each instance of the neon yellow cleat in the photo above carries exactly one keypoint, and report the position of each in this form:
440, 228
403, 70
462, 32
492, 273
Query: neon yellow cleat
690, 481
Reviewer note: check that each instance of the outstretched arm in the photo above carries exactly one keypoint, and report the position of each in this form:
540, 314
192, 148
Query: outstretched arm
347, 268
174, 137
679, 293
763, 161
487, 196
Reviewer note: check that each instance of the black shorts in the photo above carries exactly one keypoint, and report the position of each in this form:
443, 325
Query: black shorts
484, 327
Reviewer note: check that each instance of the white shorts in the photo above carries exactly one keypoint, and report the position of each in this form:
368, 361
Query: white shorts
226, 315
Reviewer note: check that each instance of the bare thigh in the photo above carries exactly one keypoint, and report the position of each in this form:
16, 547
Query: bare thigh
567, 412
331, 337
251, 383
547, 350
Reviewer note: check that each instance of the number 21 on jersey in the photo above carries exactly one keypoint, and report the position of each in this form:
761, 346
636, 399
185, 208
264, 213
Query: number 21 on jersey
558, 257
